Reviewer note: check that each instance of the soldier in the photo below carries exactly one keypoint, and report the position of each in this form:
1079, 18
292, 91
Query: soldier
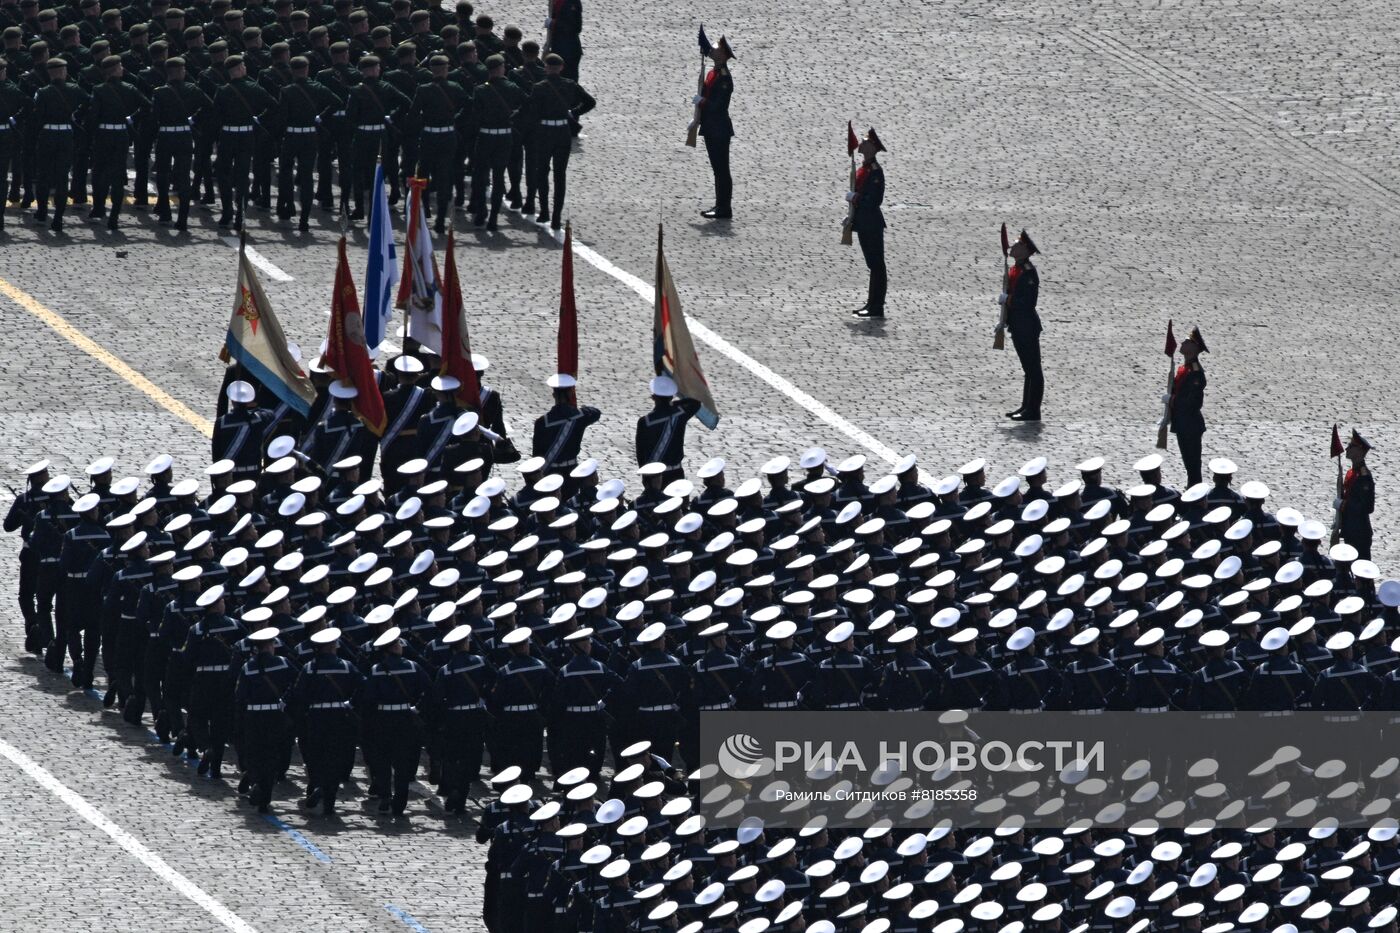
338, 435
717, 128
322, 700
238, 435
21, 516
134, 642
1154, 684
305, 106
373, 106
554, 107
563, 26
120, 618
12, 112
661, 432
1028, 684
78, 603
239, 107
868, 222
57, 107
653, 692
1187, 396
558, 433
208, 661
176, 108
524, 74
404, 407
260, 710
844, 678
334, 141
115, 107
493, 105
524, 689
1020, 297
52, 522
461, 689
439, 106
397, 690
1358, 498
578, 729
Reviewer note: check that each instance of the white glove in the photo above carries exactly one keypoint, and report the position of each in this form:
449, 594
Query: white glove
1336, 503
1001, 299
696, 100
850, 196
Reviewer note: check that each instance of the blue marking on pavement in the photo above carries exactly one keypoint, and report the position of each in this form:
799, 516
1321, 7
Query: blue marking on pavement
408, 919
299, 839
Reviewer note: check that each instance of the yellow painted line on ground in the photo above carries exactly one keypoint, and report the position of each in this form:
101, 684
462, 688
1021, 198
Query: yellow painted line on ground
116, 364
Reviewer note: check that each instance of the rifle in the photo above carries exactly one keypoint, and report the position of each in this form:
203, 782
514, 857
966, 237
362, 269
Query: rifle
851, 145
999, 337
692, 131
1165, 423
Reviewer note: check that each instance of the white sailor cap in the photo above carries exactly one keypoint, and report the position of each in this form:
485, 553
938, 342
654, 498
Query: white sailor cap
210, 596
1152, 461
466, 423
561, 381
1223, 466
516, 636
664, 386
389, 636
972, 466
342, 389
812, 457
1092, 465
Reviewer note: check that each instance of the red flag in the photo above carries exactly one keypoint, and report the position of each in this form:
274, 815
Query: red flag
1171, 340
1337, 448
1005, 242
346, 353
568, 314
456, 342
851, 142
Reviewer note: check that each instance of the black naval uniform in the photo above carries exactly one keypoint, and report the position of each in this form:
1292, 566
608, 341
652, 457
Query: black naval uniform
868, 223
322, 699
23, 511
208, 659
1024, 324
553, 105
438, 107
396, 690
460, 691
1187, 397
661, 435
718, 130
1358, 502
261, 723
238, 436
559, 435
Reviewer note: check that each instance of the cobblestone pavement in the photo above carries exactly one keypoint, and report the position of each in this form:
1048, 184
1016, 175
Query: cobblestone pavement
1226, 165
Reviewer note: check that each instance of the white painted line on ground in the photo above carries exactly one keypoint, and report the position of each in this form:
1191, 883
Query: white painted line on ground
647, 290
259, 260
126, 840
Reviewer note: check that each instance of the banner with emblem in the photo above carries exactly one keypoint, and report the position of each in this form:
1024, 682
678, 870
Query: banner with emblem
256, 340
456, 341
673, 350
420, 286
346, 354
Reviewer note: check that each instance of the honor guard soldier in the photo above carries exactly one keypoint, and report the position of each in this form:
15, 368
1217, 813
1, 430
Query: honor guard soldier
208, 661
1220, 682
120, 619
1092, 681
78, 603
493, 105
1186, 400
661, 432
524, 688
844, 678
340, 434
304, 107
563, 27
238, 434
57, 108
176, 107
24, 509
720, 679
13, 105
322, 700
439, 110
1357, 499
333, 148
239, 107
397, 690
578, 732
868, 222
716, 126
558, 434
111, 117
462, 686
1022, 293
263, 726
553, 109
373, 107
